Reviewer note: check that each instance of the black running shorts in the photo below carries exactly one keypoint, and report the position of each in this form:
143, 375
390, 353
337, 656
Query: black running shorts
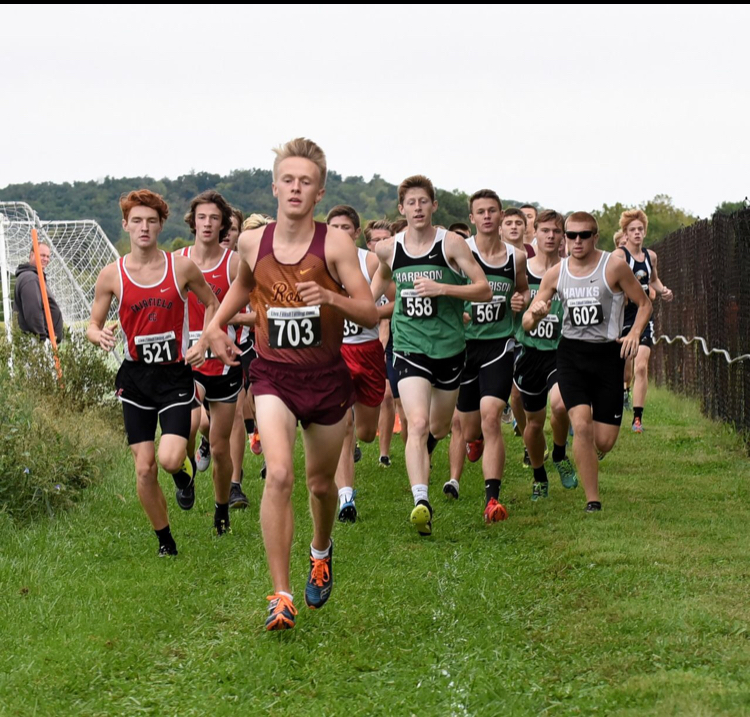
488, 372
591, 373
444, 374
647, 337
221, 389
151, 392
535, 374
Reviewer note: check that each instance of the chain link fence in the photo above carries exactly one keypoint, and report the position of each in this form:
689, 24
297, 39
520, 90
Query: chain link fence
707, 265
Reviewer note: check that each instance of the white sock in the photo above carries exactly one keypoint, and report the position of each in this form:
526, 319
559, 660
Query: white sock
289, 595
419, 492
345, 495
320, 554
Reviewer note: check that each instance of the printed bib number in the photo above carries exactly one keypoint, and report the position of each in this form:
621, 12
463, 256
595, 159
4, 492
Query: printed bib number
297, 328
351, 329
417, 307
488, 312
156, 348
195, 337
585, 312
548, 328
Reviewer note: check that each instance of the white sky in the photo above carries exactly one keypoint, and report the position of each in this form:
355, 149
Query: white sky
571, 106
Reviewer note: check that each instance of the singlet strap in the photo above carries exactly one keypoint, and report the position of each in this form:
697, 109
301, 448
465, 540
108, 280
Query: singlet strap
318, 243
266, 241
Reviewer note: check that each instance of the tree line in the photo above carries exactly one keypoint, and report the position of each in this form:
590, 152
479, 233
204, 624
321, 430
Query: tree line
248, 190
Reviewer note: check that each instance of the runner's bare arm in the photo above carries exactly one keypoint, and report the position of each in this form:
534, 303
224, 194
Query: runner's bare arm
104, 291
656, 283
341, 256
620, 277
522, 295
542, 301
383, 276
458, 252
221, 345
190, 278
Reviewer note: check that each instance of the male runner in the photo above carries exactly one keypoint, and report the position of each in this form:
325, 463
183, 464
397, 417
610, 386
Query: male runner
530, 212
365, 358
643, 262
592, 286
375, 231
218, 385
430, 267
536, 366
514, 230
155, 381
305, 281
488, 376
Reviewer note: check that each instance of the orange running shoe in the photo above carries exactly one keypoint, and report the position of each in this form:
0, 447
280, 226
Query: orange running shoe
494, 512
474, 450
255, 446
281, 612
397, 424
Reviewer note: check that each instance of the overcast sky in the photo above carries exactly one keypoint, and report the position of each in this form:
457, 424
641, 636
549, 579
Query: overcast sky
569, 106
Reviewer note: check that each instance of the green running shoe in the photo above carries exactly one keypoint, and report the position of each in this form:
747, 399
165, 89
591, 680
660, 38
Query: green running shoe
567, 473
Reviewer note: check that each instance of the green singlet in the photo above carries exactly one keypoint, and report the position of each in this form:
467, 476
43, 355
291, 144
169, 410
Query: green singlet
432, 326
546, 336
493, 319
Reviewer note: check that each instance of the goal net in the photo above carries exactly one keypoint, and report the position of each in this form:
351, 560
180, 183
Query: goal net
79, 251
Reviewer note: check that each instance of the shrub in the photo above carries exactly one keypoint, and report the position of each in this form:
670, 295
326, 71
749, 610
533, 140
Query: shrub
56, 440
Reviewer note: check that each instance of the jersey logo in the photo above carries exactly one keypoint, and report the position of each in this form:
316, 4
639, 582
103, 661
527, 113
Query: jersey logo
163, 290
216, 276
431, 256
152, 316
304, 271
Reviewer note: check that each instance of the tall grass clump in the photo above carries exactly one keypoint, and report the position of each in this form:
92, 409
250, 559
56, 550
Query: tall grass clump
57, 437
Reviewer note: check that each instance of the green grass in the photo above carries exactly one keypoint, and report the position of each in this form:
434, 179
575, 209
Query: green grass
641, 610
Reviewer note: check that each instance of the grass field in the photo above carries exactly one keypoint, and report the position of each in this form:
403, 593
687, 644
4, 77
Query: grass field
643, 609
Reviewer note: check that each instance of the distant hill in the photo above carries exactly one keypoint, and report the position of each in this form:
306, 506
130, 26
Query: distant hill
249, 190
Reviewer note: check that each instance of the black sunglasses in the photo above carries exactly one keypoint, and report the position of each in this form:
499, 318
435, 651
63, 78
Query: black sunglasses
583, 235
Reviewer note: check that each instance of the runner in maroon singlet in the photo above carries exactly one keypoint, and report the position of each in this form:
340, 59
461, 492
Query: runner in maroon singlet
305, 280
155, 381
218, 385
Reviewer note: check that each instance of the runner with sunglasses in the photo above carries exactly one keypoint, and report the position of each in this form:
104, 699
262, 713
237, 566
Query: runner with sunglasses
592, 286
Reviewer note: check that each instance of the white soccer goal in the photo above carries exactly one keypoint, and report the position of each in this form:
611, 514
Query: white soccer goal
79, 249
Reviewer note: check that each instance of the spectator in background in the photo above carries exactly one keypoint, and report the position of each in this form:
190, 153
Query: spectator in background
27, 299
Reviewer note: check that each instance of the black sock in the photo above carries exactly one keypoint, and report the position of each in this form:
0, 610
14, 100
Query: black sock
492, 489
249, 426
165, 538
637, 412
540, 475
181, 479
558, 452
431, 443
221, 512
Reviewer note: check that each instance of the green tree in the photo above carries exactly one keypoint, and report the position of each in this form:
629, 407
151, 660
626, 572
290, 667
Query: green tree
731, 207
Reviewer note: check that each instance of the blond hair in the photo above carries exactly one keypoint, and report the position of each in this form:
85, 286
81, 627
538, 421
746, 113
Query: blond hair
305, 148
631, 215
376, 224
582, 217
254, 221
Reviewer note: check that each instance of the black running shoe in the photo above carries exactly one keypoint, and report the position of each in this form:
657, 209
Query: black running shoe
221, 525
593, 506
263, 471
357, 453
384, 462
167, 550
237, 499
185, 496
